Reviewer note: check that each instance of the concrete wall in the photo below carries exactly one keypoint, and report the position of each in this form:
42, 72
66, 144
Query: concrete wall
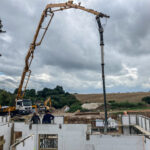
27, 144
144, 122
73, 137
147, 144
68, 135
129, 119
140, 120
59, 120
5, 130
107, 142
4, 119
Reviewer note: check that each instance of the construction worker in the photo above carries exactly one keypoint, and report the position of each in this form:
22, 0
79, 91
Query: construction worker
35, 118
47, 118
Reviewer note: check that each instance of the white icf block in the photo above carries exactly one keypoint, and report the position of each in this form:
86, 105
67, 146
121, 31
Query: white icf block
5, 130
147, 144
70, 137
73, 137
125, 120
107, 142
140, 121
59, 120
27, 144
147, 125
132, 119
4, 119
143, 123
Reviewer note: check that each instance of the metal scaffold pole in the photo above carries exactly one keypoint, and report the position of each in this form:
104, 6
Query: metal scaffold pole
103, 73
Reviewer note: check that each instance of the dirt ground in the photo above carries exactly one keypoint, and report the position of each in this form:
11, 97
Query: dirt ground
118, 97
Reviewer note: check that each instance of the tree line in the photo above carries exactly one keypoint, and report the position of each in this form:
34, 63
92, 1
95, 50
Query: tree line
59, 97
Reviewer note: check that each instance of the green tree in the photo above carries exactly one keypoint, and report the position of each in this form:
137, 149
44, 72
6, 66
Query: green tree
59, 89
59, 97
30, 93
6, 98
146, 99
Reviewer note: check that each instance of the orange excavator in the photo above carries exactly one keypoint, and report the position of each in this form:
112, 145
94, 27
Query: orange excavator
48, 100
42, 107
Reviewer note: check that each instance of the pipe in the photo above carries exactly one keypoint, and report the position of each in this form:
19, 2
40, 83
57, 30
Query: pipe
103, 73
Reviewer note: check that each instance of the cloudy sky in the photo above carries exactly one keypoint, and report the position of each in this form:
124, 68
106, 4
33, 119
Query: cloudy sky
70, 54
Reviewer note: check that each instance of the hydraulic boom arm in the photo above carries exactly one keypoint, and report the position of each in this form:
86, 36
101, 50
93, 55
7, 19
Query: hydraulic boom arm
49, 11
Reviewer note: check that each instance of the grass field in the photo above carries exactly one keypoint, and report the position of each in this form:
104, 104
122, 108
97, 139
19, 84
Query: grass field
118, 97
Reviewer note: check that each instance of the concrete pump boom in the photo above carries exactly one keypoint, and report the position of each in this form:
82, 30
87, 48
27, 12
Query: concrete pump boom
49, 11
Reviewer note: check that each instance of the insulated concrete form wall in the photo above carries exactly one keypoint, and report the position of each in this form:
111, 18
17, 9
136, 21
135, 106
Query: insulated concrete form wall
59, 120
70, 137
147, 144
74, 136
4, 119
27, 144
142, 121
129, 120
106, 142
5, 130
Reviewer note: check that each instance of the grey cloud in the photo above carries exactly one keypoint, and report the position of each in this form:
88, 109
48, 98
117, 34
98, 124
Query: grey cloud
71, 46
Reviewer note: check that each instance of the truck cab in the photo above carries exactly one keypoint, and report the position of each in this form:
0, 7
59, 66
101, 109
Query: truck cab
24, 106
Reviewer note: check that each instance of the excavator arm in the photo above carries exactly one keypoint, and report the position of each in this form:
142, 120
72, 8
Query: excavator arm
48, 11
48, 100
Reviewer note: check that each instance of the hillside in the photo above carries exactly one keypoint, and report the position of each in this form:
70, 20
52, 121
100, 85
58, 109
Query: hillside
118, 97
